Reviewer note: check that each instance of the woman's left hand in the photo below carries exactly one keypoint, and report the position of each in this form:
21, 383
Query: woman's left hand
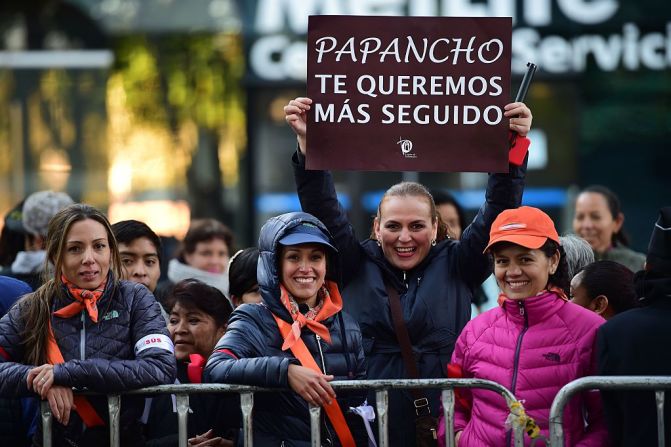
207, 439
40, 379
519, 117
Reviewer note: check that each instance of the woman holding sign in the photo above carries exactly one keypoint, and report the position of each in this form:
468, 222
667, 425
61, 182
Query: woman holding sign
85, 329
409, 274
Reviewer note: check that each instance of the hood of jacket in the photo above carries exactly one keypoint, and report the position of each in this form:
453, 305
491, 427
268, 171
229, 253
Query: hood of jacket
267, 272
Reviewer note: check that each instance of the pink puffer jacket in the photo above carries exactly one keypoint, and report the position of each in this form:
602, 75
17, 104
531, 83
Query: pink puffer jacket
533, 347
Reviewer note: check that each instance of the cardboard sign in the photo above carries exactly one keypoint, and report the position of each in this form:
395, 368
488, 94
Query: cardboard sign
408, 93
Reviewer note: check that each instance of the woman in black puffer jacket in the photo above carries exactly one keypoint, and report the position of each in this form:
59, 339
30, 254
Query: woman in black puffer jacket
85, 329
295, 252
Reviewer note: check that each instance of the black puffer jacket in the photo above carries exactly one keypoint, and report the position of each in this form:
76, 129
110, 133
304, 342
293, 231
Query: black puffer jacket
128, 348
254, 338
435, 296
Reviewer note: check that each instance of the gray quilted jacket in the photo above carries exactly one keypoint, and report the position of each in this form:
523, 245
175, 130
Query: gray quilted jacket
128, 348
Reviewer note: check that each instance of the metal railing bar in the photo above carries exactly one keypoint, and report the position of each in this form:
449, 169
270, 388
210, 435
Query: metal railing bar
114, 409
629, 383
315, 426
382, 404
246, 407
182, 401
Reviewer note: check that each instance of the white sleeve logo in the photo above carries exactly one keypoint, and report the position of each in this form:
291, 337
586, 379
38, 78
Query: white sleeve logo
154, 341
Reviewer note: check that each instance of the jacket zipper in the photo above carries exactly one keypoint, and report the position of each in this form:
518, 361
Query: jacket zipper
518, 348
321, 355
82, 338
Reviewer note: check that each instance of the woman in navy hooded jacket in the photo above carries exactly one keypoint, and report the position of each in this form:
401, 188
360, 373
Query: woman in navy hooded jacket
85, 329
409, 250
296, 261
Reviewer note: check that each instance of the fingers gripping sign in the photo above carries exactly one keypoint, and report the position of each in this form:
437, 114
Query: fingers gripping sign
295, 114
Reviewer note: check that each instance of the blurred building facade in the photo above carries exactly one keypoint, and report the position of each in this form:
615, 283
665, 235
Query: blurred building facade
165, 110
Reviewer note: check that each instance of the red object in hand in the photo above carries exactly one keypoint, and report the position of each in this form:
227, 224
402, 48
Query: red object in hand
519, 146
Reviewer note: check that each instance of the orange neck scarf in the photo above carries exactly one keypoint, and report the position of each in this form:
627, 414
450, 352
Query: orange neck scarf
502, 296
84, 299
330, 304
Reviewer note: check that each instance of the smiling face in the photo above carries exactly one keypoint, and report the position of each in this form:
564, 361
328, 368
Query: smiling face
87, 255
211, 256
594, 222
303, 270
140, 263
522, 272
193, 331
405, 229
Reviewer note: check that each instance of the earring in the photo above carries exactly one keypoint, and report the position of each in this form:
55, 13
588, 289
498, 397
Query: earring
433, 243
379, 243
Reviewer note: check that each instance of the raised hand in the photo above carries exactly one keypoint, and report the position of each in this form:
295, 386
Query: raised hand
295, 115
520, 117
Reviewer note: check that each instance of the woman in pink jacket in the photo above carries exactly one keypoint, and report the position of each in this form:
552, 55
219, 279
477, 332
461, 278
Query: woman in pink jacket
534, 343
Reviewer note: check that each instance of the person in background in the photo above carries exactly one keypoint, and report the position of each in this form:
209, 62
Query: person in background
243, 286
533, 344
140, 252
450, 211
18, 417
578, 253
408, 251
198, 317
84, 328
604, 287
12, 238
38, 209
300, 314
636, 342
599, 220
203, 255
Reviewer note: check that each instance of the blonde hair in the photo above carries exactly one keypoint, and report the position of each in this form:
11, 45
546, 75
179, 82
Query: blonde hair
36, 307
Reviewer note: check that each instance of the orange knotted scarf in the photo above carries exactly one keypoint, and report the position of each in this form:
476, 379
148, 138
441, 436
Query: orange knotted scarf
330, 304
84, 299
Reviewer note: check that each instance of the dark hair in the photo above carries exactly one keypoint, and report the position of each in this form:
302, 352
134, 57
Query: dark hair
242, 271
615, 208
126, 231
613, 280
194, 294
413, 189
11, 243
443, 197
37, 305
203, 230
560, 277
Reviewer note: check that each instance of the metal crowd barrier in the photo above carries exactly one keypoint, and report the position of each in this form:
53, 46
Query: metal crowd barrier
381, 387
628, 383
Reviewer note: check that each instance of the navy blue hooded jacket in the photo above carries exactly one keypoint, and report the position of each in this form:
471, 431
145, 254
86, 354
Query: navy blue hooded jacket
128, 348
250, 352
435, 296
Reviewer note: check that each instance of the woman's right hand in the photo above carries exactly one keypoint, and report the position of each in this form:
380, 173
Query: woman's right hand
61, 401
311, 385
295, 113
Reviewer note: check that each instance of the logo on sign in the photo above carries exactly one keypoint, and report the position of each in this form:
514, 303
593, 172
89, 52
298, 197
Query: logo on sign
406, 148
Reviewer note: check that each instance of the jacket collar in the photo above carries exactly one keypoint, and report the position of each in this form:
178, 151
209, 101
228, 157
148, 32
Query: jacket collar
534, 309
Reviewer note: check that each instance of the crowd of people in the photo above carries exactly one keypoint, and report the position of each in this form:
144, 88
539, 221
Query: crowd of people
83, 308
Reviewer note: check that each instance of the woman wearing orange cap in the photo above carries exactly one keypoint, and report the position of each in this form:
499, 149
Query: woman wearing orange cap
534, 343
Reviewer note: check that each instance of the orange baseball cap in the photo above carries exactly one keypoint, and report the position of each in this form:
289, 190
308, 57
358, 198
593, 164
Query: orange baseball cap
526, 226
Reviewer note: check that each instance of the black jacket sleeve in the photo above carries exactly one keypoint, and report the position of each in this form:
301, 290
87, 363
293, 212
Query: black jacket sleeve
318, 197
504, 191
152, 366
240, 355
12, 373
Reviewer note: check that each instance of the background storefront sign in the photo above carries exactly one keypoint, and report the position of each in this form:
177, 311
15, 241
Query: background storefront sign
408, 93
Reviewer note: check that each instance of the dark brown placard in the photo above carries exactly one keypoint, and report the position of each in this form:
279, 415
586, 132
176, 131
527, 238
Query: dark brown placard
430, 98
